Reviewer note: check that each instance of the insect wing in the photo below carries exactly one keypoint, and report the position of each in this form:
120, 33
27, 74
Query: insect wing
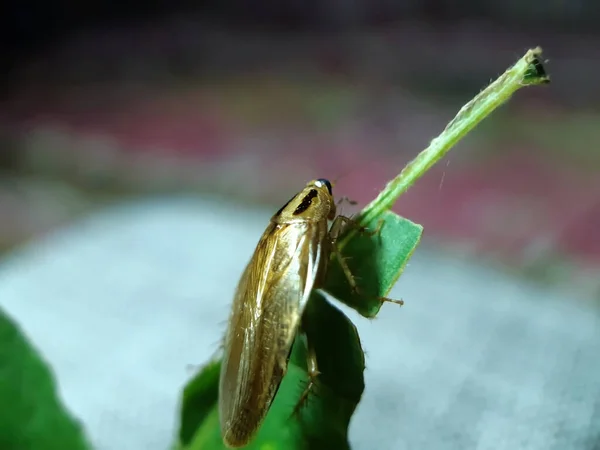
268, 304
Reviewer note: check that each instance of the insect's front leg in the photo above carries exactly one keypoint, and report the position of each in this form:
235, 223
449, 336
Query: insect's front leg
313, 373
340, 224
336, 229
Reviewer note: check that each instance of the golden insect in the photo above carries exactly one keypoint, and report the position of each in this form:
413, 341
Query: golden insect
289, 262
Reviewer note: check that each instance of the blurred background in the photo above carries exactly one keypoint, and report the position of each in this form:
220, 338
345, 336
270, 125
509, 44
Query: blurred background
241, 103
248, 100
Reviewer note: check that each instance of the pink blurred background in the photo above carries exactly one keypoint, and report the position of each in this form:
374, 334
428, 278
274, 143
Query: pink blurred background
183, 103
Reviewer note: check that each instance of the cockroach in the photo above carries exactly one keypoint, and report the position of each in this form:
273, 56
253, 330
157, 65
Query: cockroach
290, 262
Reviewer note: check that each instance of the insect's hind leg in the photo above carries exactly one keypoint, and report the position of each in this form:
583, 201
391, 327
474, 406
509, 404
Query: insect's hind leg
336, 230
313, 373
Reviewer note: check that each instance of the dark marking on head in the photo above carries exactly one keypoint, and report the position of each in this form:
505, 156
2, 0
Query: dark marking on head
284, 206
326, 183
306, 202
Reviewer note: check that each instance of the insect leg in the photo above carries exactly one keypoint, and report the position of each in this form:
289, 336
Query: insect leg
335, 231
341, 222
313, 373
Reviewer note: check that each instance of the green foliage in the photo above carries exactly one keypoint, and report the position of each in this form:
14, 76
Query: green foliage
376, 260
31, 414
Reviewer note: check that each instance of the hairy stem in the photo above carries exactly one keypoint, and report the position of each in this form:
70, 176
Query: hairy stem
528, 70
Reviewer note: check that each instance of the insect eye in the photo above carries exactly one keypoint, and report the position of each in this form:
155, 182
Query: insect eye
326, 183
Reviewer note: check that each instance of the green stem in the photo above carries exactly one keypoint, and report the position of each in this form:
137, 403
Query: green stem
527, 71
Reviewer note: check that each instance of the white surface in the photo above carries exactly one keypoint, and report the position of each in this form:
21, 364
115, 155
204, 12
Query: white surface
123, 302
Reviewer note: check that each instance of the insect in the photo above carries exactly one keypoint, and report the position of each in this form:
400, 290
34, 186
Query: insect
289, 262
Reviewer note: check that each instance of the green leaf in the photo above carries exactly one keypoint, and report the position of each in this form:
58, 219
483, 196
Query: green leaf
376, 261
32, 416
323, 421
199, 398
